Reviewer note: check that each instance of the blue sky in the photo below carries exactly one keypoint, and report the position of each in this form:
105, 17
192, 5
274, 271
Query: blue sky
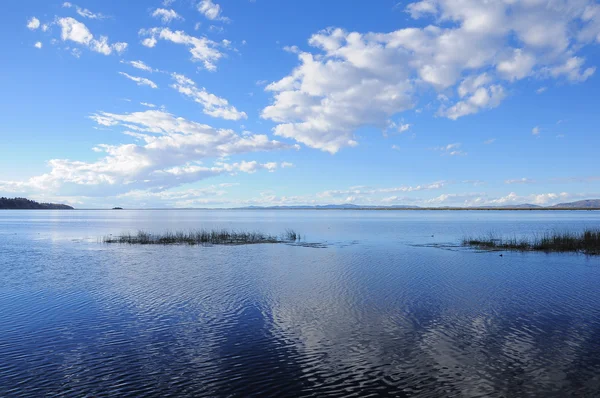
225, 103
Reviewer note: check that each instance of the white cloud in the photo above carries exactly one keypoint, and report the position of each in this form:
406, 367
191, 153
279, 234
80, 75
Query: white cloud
38, 44
212, 105
201, 48
170, 154
403, 127
147, 104
422, 8
541, 90
84, 12
365, 193
75, 31
482, 98
451, 149
141, 81
139, 65
33, 23
517, 66
166, 16
520, 181
490, 141
535, 130
543, 199
211, 10
476, 48
572, 69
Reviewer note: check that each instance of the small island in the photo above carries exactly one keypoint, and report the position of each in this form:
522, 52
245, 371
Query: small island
26, 204
117, 208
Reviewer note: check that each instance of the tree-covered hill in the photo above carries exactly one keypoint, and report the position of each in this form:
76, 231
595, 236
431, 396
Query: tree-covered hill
23, 203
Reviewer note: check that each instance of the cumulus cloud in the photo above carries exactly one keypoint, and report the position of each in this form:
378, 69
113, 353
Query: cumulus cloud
202, 49
75, 31
38, 44
537, 199
170, 152
470, 48
33, 23
536, 130
211, 10
166, 16
211, 104
141, 81
572, 69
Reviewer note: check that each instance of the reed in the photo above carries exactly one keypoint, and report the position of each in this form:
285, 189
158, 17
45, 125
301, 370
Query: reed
202, 237
587, 242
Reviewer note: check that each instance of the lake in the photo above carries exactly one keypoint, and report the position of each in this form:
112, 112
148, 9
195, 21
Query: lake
389, 303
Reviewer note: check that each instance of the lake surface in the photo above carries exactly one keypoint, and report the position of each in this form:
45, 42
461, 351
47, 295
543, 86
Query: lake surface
391, 305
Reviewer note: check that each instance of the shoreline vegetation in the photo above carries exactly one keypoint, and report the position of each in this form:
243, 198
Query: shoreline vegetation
586, 242
26, 204
202, 237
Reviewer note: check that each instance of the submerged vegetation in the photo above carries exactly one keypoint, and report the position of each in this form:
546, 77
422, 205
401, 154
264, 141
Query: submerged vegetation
202, 237
587, 242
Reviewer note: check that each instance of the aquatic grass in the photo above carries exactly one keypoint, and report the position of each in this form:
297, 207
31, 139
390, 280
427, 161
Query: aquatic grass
587, 242
202, 237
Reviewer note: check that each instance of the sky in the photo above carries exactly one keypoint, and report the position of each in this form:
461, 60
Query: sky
232, 103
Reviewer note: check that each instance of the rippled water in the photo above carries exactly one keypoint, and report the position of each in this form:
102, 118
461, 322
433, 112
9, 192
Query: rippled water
391, 305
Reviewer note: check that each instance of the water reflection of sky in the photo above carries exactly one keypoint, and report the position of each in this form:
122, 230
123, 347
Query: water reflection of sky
385, 315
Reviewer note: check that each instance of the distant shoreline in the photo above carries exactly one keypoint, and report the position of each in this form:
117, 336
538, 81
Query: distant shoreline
345, 209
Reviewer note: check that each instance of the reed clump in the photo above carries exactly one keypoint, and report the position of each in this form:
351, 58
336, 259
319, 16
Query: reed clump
587, 242
202, 237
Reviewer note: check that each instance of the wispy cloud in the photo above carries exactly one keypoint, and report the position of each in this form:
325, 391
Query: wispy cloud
451, 149
212, 105
84, 12
141, 81
520, 181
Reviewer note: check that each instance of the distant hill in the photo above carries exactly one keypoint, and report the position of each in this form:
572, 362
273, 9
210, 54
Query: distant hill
26, 204
581, 204
522, 206
347, 206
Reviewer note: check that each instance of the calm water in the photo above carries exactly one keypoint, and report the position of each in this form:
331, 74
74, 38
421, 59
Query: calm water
389, 306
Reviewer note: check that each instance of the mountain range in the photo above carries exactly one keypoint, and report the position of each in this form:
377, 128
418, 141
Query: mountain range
581, 204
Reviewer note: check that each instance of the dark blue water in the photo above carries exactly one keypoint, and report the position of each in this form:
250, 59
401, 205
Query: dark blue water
391, 305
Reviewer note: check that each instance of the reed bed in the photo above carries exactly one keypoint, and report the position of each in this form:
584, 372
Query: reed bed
202, 237
587, 242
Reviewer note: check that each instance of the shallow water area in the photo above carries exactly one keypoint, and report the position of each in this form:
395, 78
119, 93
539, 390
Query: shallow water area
369, 302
